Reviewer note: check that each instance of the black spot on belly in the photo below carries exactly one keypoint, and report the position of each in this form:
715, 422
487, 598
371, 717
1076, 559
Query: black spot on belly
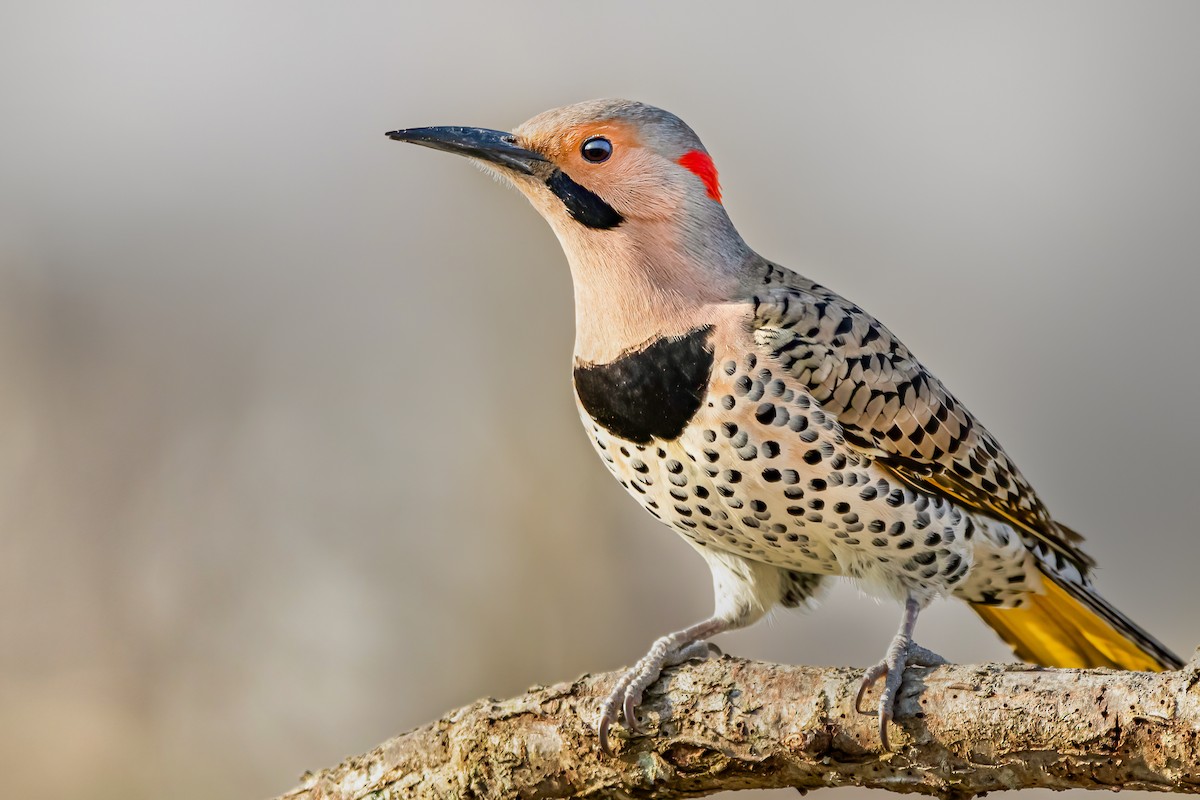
650, 393
584, 205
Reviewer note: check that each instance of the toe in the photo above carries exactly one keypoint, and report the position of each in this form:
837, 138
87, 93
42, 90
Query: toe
695, 651
891, 691
632, 699
923, 657
885, 716
605, 745
608, 712
869, 678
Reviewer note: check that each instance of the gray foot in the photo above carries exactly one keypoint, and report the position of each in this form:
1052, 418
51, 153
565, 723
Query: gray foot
902, 653
668, 651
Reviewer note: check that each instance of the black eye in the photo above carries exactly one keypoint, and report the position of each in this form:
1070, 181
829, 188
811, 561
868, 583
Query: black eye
596, 149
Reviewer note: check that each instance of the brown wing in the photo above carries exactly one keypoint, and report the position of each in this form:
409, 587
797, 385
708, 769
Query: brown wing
890, 406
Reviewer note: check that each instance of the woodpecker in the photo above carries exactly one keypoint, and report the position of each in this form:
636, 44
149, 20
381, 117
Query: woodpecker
783, 431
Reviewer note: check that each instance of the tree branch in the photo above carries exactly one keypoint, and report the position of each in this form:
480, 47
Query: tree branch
732, 724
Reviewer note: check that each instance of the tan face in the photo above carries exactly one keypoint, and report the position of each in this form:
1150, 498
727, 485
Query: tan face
634, 179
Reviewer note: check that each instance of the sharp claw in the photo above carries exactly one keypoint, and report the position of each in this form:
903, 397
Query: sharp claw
862, 690
887, 699
605, 745
869, 678
630, 708
608, 714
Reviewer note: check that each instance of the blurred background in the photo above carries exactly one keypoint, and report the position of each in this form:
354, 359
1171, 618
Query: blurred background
288, 457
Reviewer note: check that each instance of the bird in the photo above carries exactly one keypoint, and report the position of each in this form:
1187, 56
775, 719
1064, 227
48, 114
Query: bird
784, 432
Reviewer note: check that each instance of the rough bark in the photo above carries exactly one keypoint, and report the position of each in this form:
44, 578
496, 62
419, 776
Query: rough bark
732, 724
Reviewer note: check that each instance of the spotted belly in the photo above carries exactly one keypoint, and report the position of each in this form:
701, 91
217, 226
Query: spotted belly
761, 471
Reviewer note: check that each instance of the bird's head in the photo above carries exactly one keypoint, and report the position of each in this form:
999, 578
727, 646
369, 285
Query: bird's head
628, 188
597, 166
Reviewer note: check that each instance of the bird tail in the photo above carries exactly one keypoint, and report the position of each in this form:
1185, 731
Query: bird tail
1071, 626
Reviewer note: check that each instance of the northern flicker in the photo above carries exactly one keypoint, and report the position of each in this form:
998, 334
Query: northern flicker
778, 427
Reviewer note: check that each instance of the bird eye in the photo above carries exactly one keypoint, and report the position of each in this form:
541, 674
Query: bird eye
596, 149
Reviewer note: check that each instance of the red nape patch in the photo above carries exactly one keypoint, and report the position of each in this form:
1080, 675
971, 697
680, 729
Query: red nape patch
702, 165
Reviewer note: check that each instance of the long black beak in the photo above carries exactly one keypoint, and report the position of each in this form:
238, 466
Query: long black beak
495, 146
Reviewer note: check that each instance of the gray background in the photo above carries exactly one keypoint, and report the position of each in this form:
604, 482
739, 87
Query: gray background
288, 457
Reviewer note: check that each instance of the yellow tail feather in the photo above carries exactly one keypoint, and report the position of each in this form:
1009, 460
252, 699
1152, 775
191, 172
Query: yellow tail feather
1055, 629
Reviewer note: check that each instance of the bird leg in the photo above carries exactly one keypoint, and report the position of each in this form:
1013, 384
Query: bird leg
902, 652
674, 648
